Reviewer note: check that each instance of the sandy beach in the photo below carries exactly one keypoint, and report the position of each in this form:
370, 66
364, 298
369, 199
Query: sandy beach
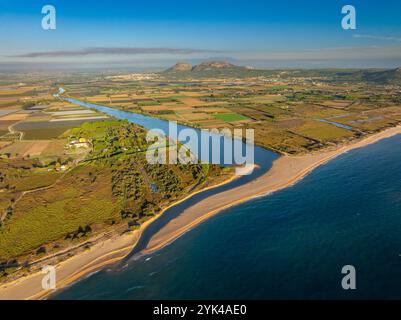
286, 171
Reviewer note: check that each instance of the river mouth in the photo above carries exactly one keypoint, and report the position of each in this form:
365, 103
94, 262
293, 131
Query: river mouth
247, 252
263, 161
303, 235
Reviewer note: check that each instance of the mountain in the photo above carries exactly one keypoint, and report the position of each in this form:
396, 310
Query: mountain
180, 67
213, 65
384, 77
206, 69
225, 69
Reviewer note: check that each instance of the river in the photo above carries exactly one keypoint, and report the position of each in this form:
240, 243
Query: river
263, 159
289, 245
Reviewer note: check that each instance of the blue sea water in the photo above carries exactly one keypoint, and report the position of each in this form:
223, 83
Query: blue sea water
288, 245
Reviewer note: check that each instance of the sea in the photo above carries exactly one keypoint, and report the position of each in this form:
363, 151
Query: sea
292, 244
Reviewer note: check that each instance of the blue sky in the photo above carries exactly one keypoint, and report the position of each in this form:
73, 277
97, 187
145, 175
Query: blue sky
263, 33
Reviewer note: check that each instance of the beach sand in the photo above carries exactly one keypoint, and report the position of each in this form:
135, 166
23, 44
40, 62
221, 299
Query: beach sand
286, 171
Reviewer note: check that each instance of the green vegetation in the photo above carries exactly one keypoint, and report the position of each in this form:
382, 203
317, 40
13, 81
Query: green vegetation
112, 187
55, 193
323, 131
148, 103
45, 216
229, 117
282, 106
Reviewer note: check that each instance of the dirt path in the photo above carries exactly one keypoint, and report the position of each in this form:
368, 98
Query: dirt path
12, 131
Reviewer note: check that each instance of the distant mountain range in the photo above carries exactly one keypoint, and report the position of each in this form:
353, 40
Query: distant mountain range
386, 76
204, 66
226, 69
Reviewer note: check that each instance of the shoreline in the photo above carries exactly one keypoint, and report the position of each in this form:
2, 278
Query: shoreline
121, 246
285, 172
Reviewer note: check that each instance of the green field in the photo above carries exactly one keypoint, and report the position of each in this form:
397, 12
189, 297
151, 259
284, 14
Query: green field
280, 105
229, 117
148, 103
113, 186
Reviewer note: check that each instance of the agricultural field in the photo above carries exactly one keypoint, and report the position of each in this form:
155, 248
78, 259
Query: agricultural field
290, 115
230, 117
68, 174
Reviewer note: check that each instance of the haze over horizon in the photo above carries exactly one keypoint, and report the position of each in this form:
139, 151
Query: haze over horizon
144, 36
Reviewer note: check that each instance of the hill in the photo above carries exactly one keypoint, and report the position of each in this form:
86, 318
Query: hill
392, 76
180, 67
225, 69
214, 65
206, 69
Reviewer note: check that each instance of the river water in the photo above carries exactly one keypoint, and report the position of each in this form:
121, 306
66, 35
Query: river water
288, 245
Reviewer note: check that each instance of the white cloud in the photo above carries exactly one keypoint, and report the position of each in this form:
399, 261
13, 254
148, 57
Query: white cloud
373, 37
343, 53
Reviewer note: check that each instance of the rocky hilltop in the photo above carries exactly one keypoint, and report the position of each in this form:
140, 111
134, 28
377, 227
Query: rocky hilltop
206, 66
180, 66
212, 65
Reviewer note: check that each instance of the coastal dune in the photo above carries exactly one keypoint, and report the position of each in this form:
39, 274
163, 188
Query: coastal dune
286, 171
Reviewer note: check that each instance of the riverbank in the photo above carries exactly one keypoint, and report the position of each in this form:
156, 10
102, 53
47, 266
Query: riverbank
285, 172
80, 265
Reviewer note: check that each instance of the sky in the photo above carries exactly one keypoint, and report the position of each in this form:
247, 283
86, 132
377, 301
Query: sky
151, 34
